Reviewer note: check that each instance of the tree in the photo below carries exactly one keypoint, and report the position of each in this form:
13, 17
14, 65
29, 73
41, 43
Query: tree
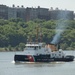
22, 46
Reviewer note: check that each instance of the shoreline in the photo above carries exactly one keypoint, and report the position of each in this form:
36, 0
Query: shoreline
13, 49
19, 49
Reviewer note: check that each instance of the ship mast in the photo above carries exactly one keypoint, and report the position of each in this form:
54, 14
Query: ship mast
37, 31
38, 34
29, 39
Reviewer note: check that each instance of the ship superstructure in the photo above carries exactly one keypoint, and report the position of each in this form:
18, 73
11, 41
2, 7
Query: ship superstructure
38, 52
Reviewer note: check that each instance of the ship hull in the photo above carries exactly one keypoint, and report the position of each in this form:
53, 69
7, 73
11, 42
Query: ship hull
41, 58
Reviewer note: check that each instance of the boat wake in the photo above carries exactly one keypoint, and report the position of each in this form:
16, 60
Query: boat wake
37, 62
74, 59
60, 62
13, 62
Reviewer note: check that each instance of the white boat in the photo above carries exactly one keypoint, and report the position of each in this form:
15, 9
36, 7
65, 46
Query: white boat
39, 52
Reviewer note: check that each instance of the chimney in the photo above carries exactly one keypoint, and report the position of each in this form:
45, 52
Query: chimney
52, 47
22, 6
51, 8
13, 5
18, 6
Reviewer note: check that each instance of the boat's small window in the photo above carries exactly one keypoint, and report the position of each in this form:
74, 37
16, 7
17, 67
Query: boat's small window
55, 54
35, 48
39, 47
59, 51
59, 54
52, 54
31, 46
27, 46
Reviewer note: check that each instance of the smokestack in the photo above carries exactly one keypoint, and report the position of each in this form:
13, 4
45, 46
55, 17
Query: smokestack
18, 6
58, 46
53, 47
22, 6
51, 8
13, 5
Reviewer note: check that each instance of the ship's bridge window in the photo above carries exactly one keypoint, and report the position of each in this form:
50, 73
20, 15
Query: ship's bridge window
59, 54
29, 47
39, 47
59, 51
35, 47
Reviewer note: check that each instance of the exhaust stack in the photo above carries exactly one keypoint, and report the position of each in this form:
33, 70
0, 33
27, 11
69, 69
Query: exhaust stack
53, 47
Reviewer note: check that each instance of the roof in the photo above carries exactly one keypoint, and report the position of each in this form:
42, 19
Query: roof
33, 44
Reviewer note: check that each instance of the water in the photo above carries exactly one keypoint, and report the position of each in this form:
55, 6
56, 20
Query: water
8, 67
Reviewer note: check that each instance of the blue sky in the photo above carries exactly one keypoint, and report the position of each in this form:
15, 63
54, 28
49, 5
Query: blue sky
61, 4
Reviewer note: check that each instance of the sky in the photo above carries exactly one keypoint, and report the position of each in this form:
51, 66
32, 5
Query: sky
61, 4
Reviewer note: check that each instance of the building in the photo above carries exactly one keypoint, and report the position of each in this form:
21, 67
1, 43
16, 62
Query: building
12, 13
42, 13
27, 14
61, 14
3, 12
16, 12
21, 13
31, 13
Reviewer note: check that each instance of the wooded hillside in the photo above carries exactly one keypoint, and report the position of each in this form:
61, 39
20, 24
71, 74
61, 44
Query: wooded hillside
14, 32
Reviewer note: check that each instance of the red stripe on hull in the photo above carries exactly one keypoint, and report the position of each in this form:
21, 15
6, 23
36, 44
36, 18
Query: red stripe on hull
31, 59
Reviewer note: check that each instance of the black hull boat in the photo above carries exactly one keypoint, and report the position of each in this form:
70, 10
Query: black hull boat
40, 52
35, 53
41, 58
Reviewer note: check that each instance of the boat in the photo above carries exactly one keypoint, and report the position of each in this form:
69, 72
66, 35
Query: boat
38, 52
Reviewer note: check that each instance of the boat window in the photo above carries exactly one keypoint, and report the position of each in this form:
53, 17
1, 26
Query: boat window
39, 47
36, 47
59, 54
59, 51
55, 54
29, 47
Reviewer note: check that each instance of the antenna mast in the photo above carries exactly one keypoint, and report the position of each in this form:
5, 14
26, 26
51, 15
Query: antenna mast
37, 31
38, 34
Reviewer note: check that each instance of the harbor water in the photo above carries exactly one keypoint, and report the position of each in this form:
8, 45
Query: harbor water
8, 67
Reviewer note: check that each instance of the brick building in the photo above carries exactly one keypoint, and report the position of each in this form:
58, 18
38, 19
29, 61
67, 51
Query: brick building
3, 11
61, 14
42, 13
33, 13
